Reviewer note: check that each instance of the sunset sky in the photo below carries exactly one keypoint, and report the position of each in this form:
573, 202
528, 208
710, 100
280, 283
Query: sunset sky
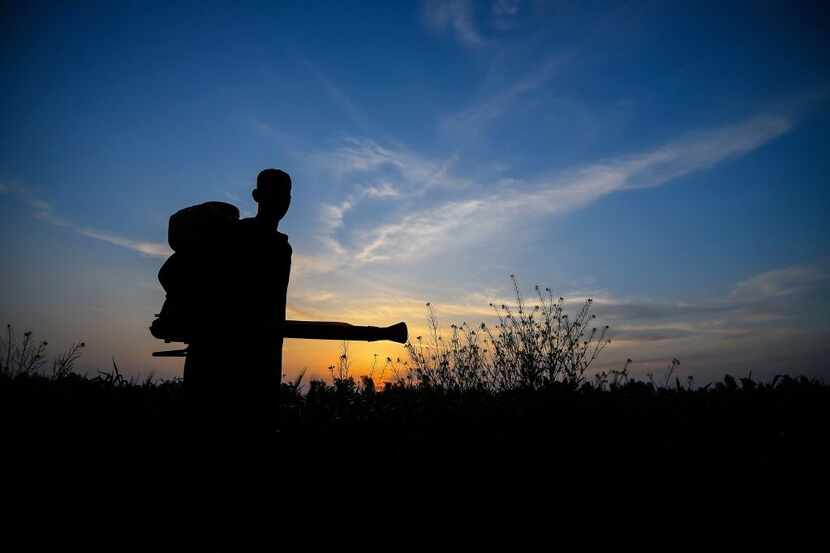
668, 159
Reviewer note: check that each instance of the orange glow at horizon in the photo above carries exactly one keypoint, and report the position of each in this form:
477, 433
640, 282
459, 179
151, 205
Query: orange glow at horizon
315, 356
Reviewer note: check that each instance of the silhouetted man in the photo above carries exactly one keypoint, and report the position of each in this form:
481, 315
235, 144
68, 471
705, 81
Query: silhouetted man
233, 372
263, 280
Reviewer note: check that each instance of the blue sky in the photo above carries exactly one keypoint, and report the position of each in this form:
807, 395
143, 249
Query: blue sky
667, 159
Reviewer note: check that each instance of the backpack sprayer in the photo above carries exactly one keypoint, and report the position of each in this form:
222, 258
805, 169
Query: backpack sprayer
325, 330
190, 230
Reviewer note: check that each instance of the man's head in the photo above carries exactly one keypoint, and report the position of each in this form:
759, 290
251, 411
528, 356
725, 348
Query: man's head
273, 193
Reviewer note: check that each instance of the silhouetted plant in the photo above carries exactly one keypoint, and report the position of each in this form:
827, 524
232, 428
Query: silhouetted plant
670, 371
341, 371
28, 356
25, 357
528, 348
612, 379
64, 364
114, 378
293, 388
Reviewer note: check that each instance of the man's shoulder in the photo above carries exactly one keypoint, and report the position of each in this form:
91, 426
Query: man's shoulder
252, 230
282, 241
249, 224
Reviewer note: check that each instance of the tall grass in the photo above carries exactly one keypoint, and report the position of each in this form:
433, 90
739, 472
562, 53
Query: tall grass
27, 356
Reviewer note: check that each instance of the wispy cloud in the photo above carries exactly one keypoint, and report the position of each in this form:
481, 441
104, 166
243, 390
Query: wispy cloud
415, 173
301, 265
504, 13
767, 307
781, 283
339, 97
769, 326
766, 323
424, 232
382, 190
431, 230
152, 249
44, 211
475, 118
382, 172
457, 16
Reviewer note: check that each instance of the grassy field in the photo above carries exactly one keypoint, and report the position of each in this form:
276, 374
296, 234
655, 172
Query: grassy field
512, 402
594, 427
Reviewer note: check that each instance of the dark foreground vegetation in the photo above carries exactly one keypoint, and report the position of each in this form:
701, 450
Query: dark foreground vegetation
597, 428
515, 403
739, 425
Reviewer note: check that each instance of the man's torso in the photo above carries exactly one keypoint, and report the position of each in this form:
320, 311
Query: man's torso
263, 272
